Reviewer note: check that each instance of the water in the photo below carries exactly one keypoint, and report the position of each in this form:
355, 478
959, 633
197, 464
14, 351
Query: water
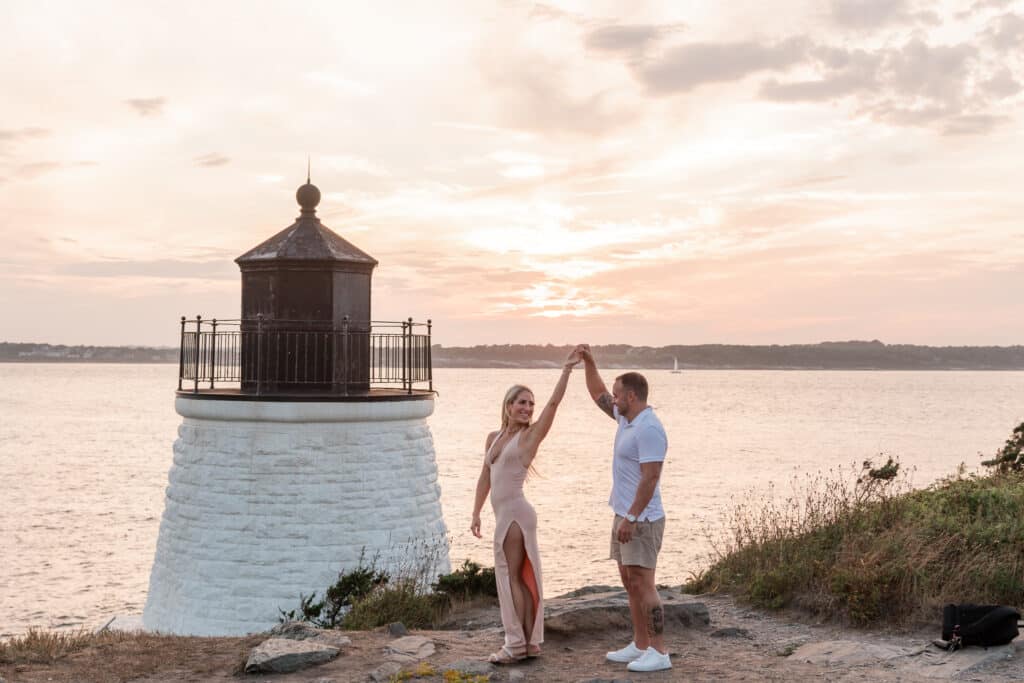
85, 451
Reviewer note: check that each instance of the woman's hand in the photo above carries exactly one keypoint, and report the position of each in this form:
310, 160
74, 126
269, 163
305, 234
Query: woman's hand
475, 526
574, 358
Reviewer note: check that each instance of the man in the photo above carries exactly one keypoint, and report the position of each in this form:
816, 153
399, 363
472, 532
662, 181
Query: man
640, 447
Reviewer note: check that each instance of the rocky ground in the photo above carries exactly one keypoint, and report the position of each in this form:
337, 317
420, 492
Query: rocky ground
711, 638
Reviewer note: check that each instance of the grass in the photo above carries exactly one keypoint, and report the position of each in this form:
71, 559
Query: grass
42, 647
868, 550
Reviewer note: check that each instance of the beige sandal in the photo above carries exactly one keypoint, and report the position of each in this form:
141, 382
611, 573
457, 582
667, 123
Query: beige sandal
503, 657
533, 651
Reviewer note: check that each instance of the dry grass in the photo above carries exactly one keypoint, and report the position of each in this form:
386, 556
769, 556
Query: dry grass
869, 550
38, 646
116, 656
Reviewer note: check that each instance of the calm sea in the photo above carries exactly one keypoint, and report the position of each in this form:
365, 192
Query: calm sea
85, 451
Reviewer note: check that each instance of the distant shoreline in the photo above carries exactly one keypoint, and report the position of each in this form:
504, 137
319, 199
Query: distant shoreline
869, 356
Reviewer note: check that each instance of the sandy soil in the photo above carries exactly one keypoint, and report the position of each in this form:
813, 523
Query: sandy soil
759, 652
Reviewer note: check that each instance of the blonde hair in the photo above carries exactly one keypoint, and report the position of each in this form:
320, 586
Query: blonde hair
510, 396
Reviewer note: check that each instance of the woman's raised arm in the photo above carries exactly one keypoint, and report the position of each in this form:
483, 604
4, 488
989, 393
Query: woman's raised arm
539, 429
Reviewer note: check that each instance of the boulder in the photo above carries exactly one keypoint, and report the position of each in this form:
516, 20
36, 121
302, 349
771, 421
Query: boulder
409, 649
601, 611
300, 630
397, 629
283, 655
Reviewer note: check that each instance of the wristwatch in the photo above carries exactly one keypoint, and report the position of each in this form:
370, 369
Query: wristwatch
631, 518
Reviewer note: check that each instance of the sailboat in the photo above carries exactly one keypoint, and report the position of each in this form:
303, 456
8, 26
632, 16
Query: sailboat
675, 366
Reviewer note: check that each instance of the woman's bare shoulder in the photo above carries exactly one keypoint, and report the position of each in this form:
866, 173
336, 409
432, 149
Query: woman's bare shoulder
492, 436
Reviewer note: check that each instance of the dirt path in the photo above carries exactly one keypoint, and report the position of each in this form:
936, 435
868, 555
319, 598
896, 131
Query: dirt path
739, 645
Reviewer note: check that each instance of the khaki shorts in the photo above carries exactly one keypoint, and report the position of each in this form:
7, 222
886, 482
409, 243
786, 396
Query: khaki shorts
643, 550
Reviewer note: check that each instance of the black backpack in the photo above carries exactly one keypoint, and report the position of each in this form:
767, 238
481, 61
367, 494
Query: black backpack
983, 625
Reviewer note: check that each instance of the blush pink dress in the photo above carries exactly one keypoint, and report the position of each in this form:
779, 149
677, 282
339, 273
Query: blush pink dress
510, 506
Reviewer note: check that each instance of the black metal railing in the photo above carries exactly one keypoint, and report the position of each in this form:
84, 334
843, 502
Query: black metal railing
265, 356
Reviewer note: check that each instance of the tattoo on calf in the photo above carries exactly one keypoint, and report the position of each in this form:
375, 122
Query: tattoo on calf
655, 621
604, 402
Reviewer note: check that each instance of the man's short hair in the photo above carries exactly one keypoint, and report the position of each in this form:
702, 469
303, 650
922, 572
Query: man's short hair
635, 382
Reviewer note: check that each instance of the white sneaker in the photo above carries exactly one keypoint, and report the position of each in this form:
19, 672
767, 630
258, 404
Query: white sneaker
626, 654
652, 660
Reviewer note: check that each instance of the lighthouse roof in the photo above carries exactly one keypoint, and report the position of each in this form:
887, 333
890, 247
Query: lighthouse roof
307, 239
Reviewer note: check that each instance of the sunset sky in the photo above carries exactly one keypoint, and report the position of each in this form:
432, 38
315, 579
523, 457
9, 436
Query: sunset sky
672, 173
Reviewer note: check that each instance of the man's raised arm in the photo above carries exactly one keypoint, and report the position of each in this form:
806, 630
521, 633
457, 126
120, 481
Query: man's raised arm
595, 385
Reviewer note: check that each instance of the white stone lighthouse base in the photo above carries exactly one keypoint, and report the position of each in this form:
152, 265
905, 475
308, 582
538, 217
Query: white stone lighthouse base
268, 500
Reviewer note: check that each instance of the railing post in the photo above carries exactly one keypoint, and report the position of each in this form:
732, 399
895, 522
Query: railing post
181, 354
199, 337
345, 360
213, 350
430, 360
259, 353
408, 358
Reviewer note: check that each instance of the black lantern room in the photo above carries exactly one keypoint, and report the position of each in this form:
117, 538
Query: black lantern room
300, 289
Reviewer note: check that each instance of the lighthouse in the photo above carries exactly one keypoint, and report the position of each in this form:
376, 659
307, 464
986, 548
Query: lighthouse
303, 446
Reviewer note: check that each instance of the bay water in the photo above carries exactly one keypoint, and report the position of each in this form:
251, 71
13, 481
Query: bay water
85, 450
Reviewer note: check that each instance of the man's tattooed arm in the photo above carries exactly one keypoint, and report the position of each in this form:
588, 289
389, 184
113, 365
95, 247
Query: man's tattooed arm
604, 402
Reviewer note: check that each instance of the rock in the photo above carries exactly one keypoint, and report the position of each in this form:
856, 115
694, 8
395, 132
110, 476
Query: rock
590, 590
385, 671
602, 611
283, 655
606, 680
397, 629
300, 630
470, 667
931, 662
849, 653
409, 649
731, 632
516, 675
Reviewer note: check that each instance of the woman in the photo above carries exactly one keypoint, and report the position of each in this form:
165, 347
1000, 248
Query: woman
509, 454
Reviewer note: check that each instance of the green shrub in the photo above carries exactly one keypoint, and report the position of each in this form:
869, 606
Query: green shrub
350, 588
469, 581
1009, 458
400, 600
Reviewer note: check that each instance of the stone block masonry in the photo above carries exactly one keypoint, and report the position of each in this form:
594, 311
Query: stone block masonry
267, 500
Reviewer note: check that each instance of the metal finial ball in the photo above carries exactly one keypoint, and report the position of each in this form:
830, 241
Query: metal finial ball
308, 196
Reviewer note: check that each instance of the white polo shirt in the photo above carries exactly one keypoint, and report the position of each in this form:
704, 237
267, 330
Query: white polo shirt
642, 440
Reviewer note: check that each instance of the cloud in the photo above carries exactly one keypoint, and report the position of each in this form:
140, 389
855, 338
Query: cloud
211, 160
9, 137
535, 94
147, 106
220, 269
1006, 32
627, 37
948, 87
1001, 85
683, 68
16, 134
972, 124
871, 14
37, 168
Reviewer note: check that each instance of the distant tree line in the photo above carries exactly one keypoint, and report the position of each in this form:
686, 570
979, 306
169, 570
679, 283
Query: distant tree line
848, 355
59, 353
